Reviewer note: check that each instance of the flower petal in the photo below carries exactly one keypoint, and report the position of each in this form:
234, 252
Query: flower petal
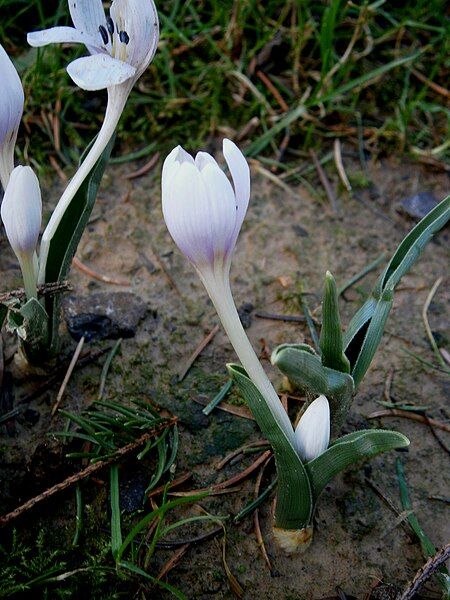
62, 35
203, 158
87, 15
99, 71
313, 430
240, 173
221, 209
173, 161
185, 207
11, 109
139, 20
21, 211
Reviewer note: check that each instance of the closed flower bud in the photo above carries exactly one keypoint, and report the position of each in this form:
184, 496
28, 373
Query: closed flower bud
11, 109
202, 210
313, 430
21, 213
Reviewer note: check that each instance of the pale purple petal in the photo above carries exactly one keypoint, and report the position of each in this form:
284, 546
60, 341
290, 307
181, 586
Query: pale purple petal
173, 161
21, 211
240, 173
185, 207
138, 19
313, 431
99, 71
11, 109
221, 214
62, 35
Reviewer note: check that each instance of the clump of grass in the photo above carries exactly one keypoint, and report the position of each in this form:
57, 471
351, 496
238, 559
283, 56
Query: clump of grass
277, 74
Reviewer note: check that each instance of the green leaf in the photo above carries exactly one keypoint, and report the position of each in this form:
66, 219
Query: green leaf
116, 531
347, 450
64, 243
331, 342
306, 371
413, 245
357, 338
165, 586
294, 501
34, 331
373, 336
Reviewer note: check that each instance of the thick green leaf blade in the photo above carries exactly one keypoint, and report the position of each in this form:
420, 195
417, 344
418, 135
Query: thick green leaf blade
331, 342
306, 371
372, 337
414, 243
349, 449
403, 259
294, 503
64, 243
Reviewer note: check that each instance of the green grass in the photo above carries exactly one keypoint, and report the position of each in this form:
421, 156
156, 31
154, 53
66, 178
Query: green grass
343, 69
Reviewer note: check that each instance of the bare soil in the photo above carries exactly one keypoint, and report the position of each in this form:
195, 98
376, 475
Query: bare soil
287, 238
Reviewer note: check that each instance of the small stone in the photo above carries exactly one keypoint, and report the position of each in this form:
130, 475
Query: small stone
419, 205
104, 315
300, 231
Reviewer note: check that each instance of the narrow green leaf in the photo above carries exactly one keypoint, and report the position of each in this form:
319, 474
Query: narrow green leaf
116, 530
347, 450
331, 342
403, 259
165, 586
413, 244
158, 512
428, 548
294, 502
66, 238
372, 337
358, 322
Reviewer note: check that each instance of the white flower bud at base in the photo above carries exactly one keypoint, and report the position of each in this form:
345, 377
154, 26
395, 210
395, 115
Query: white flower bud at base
313, 430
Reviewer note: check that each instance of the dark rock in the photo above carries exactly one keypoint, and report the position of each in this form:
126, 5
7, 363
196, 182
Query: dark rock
104, 315
131, 494
419, 205
245, 314
300, 231
30, 416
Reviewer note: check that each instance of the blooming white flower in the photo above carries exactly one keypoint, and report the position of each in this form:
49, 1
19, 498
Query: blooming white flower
11, 109
313, 430
21, 213
204, 214
121, 47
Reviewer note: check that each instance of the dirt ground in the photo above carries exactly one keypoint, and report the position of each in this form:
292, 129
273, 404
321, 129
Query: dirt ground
358, 540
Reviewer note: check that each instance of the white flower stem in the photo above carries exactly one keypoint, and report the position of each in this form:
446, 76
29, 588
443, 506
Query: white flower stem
117, 98
219, 291
27, 267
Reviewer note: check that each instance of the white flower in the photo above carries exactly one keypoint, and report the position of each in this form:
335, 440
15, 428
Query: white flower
203, 212
11, 109
204, 215
21, 213
313, 430
121, 45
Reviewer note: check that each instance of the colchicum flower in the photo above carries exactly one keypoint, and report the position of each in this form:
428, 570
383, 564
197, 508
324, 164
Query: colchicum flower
204, 214
21, 213
11, 109
121, 47
313, 430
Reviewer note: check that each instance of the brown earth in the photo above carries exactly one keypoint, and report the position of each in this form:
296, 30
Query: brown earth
358, 540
